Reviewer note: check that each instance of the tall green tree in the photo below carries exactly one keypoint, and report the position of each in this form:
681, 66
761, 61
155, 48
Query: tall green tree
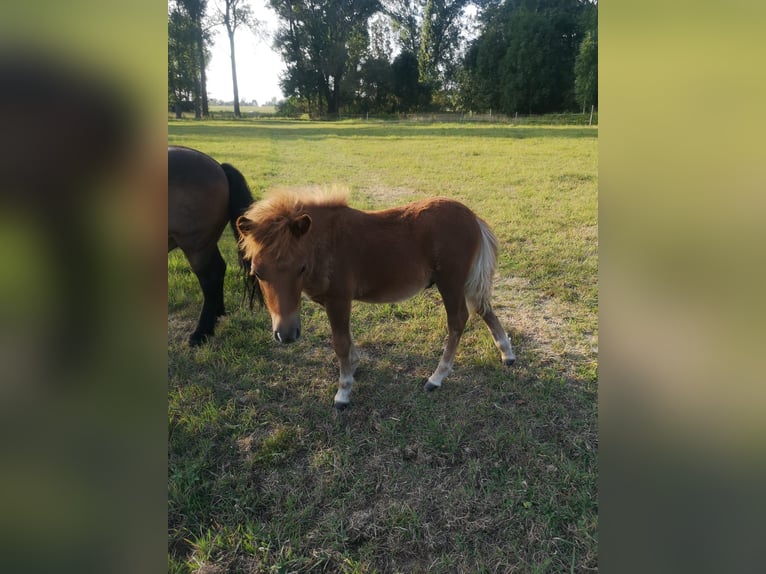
182, 62
410, 93
406, 17
480, 89
188, 41
431, 29
439, 39
233, 14
524, 59
316, 39
196, 9
381, 37
586, 63
427, 64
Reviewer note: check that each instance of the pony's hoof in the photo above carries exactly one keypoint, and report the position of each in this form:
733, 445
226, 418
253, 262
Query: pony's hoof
509, 362
340, 406
431, 386
197, 339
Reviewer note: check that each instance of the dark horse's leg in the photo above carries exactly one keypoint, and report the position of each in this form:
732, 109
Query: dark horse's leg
457, 316
339, 314
210, 269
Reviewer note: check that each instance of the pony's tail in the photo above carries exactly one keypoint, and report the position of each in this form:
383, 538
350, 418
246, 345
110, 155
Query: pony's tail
240, 198
478, 285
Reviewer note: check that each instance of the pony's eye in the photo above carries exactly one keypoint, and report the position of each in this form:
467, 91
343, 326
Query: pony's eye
303, 269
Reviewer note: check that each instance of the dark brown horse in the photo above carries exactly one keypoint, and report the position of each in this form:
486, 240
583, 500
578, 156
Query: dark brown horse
318, 245
203, 196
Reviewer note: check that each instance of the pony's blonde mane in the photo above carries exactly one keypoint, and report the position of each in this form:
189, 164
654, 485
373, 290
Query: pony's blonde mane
272, 216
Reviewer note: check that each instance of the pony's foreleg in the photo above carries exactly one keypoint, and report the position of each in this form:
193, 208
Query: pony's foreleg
339, 315
457, 315
499, 335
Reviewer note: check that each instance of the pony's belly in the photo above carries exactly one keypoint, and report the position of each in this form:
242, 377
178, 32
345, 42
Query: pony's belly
391, 294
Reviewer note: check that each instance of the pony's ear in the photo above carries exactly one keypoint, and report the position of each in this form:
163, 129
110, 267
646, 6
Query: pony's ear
244, 225
300, 225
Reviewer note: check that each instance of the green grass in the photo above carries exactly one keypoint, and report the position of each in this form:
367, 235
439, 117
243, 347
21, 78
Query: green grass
495, 472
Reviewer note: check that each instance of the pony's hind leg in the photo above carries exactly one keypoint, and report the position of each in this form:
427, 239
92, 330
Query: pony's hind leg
499, 335
210, 269
457, 315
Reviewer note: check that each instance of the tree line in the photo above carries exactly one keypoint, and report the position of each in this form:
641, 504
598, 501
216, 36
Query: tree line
347, 57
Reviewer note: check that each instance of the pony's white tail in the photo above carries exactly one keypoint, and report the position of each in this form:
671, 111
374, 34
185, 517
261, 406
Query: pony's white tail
478, 285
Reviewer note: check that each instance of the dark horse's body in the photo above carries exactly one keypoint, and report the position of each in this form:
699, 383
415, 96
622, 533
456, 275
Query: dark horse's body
203, 196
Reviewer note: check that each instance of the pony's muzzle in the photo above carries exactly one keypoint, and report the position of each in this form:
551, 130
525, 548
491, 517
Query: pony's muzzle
286, 329
288, 335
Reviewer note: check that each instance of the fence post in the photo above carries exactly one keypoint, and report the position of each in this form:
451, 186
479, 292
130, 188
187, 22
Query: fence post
590, 121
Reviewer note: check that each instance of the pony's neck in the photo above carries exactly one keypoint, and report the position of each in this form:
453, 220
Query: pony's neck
328, 224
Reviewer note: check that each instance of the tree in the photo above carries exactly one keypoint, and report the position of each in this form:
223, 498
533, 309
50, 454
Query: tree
315, 39
373, 89
302, 81
586, 71
188, 37
381, 39
524, 59
586, 63
182, 65
426, 57
406, 16
234, 14
478, 90
439, 39
200, 36
431, 29
406, 84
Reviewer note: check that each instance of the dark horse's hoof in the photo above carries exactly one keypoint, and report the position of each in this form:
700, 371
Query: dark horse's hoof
431, 387
509, 362
197, 339
340, 406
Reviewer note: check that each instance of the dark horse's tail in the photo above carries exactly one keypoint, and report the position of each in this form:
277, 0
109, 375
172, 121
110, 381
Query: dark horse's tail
240, 199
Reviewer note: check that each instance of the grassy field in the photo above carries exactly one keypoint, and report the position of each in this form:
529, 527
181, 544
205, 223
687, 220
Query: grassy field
495, 472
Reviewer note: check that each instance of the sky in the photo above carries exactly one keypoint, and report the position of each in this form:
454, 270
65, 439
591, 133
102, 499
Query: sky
258, 65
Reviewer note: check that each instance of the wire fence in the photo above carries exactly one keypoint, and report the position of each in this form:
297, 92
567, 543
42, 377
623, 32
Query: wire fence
458, 117
586, 119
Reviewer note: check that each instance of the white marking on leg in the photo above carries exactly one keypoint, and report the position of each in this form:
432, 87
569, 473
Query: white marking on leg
348, 367
499, 335
343, 396
442, 370
445, 363
506, 351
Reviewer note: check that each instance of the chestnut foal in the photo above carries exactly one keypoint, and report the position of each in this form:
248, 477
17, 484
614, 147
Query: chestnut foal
316, 244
